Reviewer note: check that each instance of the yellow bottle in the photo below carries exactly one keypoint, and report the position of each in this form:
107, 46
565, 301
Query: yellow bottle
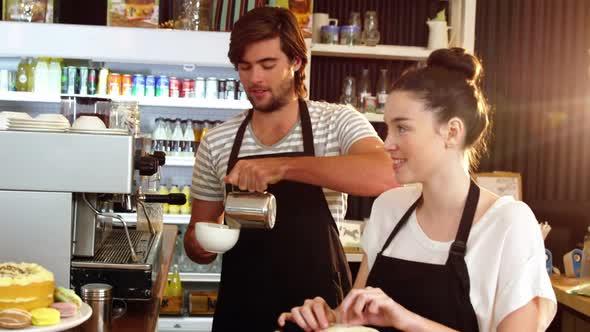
175, 283
31, 75
174, 209
164, 191
22, 75
186, 208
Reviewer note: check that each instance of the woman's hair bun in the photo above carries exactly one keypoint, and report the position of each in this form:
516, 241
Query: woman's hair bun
457, 60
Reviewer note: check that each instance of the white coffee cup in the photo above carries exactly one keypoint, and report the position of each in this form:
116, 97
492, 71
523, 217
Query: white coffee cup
319, 20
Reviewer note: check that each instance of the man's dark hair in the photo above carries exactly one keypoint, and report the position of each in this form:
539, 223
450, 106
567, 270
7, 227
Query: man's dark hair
267, 23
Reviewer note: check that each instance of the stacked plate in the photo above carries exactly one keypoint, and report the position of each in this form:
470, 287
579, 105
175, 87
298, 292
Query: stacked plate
23, 122
104, 131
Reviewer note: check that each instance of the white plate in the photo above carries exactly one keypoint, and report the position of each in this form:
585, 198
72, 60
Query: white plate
66, 323
51, 117
38, 122
35, 125
51, 130
14, 115
108, 131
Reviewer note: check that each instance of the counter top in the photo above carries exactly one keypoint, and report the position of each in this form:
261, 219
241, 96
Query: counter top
142, 316
578, 303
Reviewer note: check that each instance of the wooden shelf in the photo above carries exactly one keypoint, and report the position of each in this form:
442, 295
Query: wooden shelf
387, 52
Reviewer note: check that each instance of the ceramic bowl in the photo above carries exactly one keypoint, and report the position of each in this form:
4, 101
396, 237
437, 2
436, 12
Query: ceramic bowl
88, 123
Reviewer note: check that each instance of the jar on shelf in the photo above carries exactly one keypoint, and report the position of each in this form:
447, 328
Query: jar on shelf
371, 34
192, 15
350, 35
329, 34
355, 19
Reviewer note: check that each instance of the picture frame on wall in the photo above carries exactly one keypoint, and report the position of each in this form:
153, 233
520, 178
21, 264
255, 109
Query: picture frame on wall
501, 183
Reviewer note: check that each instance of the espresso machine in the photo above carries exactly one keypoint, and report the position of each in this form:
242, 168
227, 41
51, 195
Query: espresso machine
58, 193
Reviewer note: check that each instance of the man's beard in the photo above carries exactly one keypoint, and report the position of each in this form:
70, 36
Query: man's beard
283, 98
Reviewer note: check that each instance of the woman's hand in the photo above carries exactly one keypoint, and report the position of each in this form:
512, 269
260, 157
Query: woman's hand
371, 306
313, 315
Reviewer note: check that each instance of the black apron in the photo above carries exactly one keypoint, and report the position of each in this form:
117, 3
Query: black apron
269, 272
437, 292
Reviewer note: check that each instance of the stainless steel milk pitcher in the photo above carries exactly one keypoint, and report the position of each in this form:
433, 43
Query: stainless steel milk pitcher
250, 209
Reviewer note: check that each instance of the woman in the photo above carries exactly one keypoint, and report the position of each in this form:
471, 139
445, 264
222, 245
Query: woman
448, 255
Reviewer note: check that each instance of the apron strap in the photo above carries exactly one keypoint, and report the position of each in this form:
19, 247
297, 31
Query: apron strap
306, 129
399, 225
460, 244
456, 260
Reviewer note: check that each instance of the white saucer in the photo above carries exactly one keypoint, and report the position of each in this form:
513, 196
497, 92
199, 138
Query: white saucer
66, 323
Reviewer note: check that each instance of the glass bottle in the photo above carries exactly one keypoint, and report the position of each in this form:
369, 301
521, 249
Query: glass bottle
186, 190
41, 85
177, 135
174, 209
364, 88
55, 76
355, 19
349, 91
382, 89
22, 75
159, 136
371, 34
31, 74
175, 283
188, 138
163, 190
193, 15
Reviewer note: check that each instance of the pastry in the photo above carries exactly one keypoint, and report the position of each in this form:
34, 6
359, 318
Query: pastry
25, 285
45, 317
65, 309
14, 319
63, 294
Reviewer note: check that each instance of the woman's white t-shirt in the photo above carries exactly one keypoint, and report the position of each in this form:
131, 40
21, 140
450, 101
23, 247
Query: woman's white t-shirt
505, 254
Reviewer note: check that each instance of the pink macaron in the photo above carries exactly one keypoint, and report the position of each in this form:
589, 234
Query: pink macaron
65, 309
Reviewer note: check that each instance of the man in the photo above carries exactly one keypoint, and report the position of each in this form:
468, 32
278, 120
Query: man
306, 154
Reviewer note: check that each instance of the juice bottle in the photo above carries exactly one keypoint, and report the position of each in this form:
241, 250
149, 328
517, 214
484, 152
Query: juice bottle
31, 74
22, 75
174, 209
55, 76
163, 190
175, 283
41, 75
186, 208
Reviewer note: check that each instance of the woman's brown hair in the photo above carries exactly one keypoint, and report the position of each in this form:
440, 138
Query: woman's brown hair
266, 23
449, 85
